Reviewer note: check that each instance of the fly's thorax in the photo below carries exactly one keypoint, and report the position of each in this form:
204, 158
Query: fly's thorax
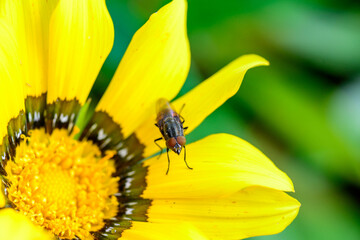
172, 127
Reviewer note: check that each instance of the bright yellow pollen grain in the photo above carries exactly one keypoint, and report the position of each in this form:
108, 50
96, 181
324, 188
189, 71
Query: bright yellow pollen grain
62, 184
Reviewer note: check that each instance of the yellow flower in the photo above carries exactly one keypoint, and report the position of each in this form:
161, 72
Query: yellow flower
100, 186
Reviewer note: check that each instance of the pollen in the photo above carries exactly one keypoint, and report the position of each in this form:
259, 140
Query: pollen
64, 185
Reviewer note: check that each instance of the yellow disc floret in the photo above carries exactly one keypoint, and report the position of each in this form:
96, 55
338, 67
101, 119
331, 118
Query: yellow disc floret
62, 184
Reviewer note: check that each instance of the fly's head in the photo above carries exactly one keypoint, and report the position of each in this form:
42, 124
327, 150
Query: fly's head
176, 144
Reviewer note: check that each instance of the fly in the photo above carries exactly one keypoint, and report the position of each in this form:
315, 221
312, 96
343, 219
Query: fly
170, 124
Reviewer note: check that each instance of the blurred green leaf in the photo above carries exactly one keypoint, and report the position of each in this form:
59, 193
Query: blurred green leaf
326, 39
279, 98
344, 114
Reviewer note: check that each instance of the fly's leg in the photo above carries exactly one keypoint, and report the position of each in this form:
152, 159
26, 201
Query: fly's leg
185, 158
185, 128
167, 151
182, 119
161, 150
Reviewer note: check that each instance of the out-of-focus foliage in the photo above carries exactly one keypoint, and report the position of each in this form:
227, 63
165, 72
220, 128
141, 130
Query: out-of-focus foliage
303, 111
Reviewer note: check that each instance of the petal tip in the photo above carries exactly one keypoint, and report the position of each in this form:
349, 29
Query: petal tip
256, 60
294, 205
290, 187
290, 184
178, 6
182, 3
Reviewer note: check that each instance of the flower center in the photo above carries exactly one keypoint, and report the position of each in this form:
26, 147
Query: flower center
62, 184
57, 185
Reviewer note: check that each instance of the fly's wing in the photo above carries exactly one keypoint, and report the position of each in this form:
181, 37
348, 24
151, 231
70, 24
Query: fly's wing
163, 106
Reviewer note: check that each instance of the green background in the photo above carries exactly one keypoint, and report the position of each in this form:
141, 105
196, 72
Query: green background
303, 111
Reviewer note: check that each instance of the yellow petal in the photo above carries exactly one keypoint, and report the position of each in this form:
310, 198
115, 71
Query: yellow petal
81, 37
222, 165
155, 65
253, 211
15, 226
30, 20
11, 85
155, 231
201, 101
2, 196
2, 200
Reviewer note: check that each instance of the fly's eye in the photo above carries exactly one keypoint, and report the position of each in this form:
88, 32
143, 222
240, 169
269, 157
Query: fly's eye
181, 140
171, 142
